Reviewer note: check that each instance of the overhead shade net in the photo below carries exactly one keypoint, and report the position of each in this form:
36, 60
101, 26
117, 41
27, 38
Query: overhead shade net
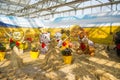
109, 18
2, 24
13, 21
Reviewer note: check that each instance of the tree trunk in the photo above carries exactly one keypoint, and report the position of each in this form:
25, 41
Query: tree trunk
16, 61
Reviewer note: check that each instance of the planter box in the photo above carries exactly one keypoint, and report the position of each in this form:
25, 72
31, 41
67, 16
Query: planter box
2, 55
34, 55
67, 59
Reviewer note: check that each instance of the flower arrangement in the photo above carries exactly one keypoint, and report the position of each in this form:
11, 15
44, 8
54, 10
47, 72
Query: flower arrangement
67, 56
66, 52
34, 53
34, 49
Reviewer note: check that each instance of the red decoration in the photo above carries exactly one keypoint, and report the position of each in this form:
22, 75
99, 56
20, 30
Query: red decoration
17, 43
64, 44
43, 45
118, 46
82, 46
11, 40
58, 40
29, 39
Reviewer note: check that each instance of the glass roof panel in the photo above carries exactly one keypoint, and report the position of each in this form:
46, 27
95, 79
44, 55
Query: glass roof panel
34, 1
63, 8
28, 7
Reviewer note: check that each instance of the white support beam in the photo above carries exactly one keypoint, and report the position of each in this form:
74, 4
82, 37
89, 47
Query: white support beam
93, 6
56, 6
8, 2
103, 3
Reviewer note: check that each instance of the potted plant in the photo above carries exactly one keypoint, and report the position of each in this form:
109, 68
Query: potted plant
2, 52
67, 56
34, 53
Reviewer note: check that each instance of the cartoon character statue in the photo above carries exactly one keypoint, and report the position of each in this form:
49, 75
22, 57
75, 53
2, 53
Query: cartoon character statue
16, 38
63, 40
44, 40
58, 36
16, 42
86, 45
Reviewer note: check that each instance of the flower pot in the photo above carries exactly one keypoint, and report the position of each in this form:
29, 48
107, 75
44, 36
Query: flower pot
34, 55
67, 59
2, 55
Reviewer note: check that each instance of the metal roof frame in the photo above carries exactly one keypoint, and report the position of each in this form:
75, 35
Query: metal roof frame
34, 10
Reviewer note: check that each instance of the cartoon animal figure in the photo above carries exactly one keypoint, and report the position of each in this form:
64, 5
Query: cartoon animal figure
86, 45
64, 42
45, 40
58, 36
16, 38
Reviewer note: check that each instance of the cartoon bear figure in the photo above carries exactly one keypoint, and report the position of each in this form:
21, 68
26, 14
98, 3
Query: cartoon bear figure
44, 40
16, 41
58, 36
86, 45
63, 41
